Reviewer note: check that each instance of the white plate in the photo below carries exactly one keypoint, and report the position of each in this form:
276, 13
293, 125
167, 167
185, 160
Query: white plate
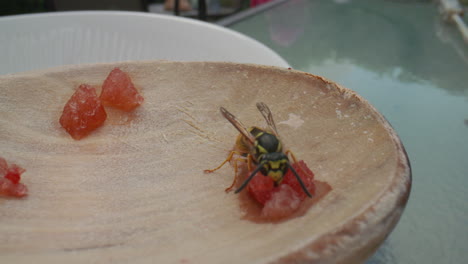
29, 42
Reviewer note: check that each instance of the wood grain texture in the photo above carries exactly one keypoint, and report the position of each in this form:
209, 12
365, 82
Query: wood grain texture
134, 190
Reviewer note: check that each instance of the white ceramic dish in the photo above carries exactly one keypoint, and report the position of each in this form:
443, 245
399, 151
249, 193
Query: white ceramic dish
31, 42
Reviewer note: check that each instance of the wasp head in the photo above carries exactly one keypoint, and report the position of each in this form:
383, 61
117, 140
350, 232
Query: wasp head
275, 166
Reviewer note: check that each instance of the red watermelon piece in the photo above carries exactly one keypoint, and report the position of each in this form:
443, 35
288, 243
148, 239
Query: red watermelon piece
83, 112
307, 177
261, 188
10, 180
283, 200
119, 91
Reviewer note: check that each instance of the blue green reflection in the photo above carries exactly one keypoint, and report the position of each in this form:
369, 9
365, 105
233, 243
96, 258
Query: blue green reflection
414, 69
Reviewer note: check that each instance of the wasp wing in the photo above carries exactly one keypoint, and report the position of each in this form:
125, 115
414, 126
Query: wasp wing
266, 113
237, 124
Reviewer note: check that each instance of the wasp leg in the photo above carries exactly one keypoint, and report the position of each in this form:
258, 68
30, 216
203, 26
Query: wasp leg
229, 158
249, 160
228, 189
289, 152
297, 175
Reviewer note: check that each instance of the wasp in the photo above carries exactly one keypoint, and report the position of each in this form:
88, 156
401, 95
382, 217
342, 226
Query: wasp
259, 147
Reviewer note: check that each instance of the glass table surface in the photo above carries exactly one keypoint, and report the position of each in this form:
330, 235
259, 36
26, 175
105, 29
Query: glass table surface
413, 68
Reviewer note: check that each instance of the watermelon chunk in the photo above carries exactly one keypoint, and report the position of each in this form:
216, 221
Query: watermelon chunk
83, 112
14, 173
118, 91
261, 188
10, 180
283, 200
307, 177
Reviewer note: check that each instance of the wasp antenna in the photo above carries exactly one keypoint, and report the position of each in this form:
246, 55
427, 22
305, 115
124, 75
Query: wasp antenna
224, 111
250, 177
299, 180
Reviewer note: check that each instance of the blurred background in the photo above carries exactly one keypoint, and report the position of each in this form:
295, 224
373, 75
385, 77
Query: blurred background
215, 9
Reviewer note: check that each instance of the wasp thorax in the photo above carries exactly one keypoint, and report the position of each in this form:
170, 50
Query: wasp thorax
267, 143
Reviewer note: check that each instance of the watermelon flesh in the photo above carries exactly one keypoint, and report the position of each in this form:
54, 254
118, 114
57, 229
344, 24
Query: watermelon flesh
119, 91
283, 202
285, 199
10, 177
83, 113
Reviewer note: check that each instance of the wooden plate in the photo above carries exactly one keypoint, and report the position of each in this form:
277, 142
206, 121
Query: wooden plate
134, 191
